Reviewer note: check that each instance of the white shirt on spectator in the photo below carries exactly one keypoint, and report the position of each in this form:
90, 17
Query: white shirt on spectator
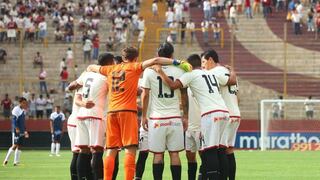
40, 104
170, 16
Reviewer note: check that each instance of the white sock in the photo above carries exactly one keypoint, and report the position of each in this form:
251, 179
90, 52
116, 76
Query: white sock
19, 155
16, 156
53, 146
57, 148
8, 154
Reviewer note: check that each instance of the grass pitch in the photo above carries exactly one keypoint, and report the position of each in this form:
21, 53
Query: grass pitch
251, 165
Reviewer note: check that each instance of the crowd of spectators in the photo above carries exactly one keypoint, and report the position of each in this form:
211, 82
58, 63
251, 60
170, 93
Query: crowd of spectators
40, 106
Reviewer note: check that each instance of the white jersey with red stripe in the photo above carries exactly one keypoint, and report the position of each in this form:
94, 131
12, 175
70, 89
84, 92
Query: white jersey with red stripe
194, 123
164, 101
229, 93
75, 108
205, 88
94, 89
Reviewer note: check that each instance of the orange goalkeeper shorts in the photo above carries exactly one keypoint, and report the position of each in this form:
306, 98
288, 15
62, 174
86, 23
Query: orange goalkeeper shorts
122, 129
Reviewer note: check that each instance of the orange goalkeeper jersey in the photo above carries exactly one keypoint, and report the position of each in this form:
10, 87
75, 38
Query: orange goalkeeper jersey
123, 82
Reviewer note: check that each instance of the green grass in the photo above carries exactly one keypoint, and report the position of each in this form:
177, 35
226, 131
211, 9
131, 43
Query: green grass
252, 165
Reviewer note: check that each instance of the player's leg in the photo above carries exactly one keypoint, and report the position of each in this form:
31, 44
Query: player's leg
128, 123
84, 157
116, 168
97, 139
53, 145
202, 169
233, 128
175, 144
191, 149
223, 163
157, 140
232, 164
210, 142
57, 142
143, 154
75, 150
113, 142
158, 166
224, 127
11, 149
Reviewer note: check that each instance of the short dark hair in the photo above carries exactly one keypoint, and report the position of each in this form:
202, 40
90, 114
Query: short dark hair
21, 99
194, 60
130, 53
118, 59
211, 54
105, 59
165, 50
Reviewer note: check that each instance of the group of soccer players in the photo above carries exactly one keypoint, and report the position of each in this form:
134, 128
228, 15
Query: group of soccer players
185, 105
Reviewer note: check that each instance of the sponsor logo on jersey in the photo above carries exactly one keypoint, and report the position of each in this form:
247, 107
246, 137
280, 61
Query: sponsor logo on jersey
168, 123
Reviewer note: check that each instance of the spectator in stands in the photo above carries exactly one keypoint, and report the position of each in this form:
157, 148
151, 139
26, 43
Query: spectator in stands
58, 34
87, 47
207, 10
266, 8
318, 23
3, 55
42, 30
169, 17
26, 94
277, 109
183, 25
155, 9
64, 78
309, 108
6, 106
37, 60
248, 10
310, 20
2, 30
296, 19
280, 5
11, 30
15, 101
233, 16
42, 81
239, 6
174, 31
40, 106
141, 24
216, 31
178, 9
67, 105
69, 57
83, 22
109, 43
95, 45
49, 105
205, 28
32, 106
191, 28
62, 64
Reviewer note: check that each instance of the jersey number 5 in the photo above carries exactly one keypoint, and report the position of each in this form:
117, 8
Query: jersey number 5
87, 87
161, 94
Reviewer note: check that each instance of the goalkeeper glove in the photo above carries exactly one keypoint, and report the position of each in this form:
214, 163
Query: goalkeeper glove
182, 65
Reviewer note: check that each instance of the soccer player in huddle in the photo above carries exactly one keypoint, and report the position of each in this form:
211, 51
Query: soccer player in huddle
91, 129
214, 113
164, 124
72, 129
122, 123
193, 134
229, 89
56, 127
18, 131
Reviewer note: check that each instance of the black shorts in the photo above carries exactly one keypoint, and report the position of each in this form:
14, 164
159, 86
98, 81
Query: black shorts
56, 137
17, 139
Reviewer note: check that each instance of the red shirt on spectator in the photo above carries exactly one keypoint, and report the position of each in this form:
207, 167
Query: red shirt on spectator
247, 3
318, 8
6, 103
96, 42
12, 25
64, 75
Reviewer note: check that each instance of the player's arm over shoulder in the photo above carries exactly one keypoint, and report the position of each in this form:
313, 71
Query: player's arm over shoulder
172, 84
232, 76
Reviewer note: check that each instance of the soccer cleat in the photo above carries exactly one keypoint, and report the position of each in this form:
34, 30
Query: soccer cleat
15, 164
50, 155
5, 163
58, 155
